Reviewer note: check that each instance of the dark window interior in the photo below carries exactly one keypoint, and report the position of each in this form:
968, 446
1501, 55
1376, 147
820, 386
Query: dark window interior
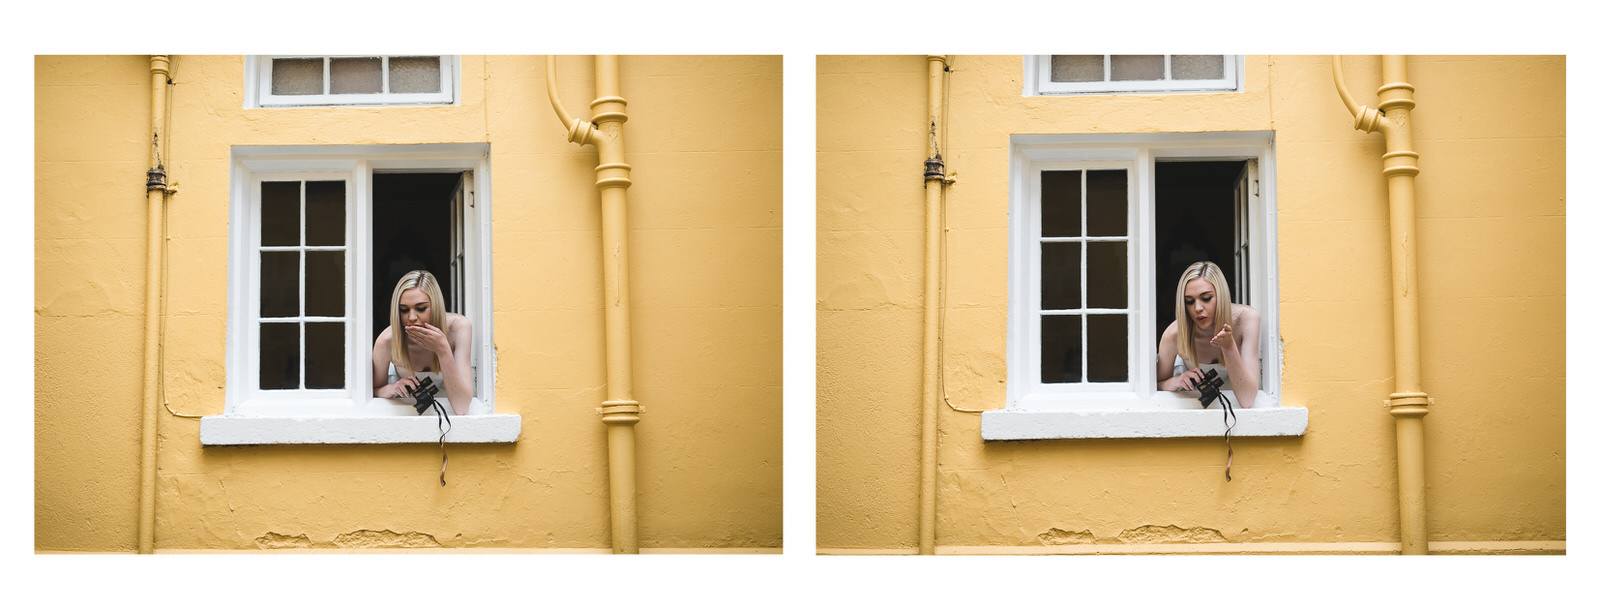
1194, 222
411, 228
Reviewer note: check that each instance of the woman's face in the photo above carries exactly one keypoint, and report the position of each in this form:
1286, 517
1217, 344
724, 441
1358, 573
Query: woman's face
414, 308
1200, 300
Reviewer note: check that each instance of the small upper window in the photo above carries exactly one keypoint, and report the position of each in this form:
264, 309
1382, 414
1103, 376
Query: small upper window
352, 80
1081, 74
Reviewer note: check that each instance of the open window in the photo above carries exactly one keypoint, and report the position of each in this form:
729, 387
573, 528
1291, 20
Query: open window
318, 237
1101, 227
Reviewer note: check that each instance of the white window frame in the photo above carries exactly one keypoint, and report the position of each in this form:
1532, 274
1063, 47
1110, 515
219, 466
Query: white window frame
350, 415
1036, 80
258, 85
1136, 409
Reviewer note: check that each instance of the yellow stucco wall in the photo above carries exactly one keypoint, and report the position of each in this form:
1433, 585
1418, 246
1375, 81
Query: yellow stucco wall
1491, 255
705, 141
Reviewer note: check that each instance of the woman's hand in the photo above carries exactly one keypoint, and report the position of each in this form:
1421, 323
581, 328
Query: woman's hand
1223, 338
430, 338
1187, 380
400, 388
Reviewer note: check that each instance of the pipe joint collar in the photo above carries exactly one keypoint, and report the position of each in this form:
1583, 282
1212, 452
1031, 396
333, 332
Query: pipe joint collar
625, 413
933, 169
1413, 404
156, 178
582, 132
1368, 119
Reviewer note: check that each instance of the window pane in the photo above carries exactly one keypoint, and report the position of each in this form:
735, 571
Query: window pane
325, 283
1060, 202
1108, 348
280, 213
1060, 349
1108, 202
1077, 68
324, 355
325, 213
1108, 274
280, 355
1058, 275
280, 284
1138, 67
1196, 67
356, 75
297, 76
414, 75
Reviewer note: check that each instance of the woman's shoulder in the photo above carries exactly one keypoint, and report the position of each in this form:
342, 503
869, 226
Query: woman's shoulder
1244, 312
457, 322
1171, 331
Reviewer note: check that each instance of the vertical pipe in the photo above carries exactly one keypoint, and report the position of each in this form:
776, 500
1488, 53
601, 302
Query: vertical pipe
156, 196
1408, 404
933, 185
620, 412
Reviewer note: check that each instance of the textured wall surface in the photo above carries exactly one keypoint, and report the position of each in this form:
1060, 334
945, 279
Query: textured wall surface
705, 140
1491, 252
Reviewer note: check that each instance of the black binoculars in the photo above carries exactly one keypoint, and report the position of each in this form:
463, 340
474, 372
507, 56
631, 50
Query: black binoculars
1210, 387
424, 393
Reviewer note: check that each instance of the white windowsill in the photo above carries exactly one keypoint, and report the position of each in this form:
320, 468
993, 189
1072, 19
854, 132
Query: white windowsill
1168, 414
380, 421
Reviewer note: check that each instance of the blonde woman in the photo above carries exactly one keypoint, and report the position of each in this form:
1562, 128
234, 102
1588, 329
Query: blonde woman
1212, 333
423, 339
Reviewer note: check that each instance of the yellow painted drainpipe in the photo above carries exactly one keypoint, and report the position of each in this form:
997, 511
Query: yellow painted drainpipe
156, 194
620, 412
933, 183
1408, 404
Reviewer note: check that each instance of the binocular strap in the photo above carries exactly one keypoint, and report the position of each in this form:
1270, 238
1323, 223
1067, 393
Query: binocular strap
1227, 434
443, 419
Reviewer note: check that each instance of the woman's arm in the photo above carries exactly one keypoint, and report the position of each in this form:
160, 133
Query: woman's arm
455, 358
1242, 354
381, 388
1166, 352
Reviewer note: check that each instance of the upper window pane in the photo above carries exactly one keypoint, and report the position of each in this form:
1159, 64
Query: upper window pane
1087, 74
296, 76
355, 75
369, 80
414, 74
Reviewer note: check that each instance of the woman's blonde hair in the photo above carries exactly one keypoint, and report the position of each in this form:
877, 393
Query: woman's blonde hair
400, 352
1224, 310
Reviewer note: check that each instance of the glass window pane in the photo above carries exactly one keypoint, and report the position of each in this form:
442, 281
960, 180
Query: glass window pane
324, 355
280, 213
356, 75
325, 283
1077, 68
1108, 275
1108, 202
280, 355
325, 213
1058, 275
1196, 67
1138, 67
414, 75
280, 284
1060, 203
1108, 348
297, 76
1060, 349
